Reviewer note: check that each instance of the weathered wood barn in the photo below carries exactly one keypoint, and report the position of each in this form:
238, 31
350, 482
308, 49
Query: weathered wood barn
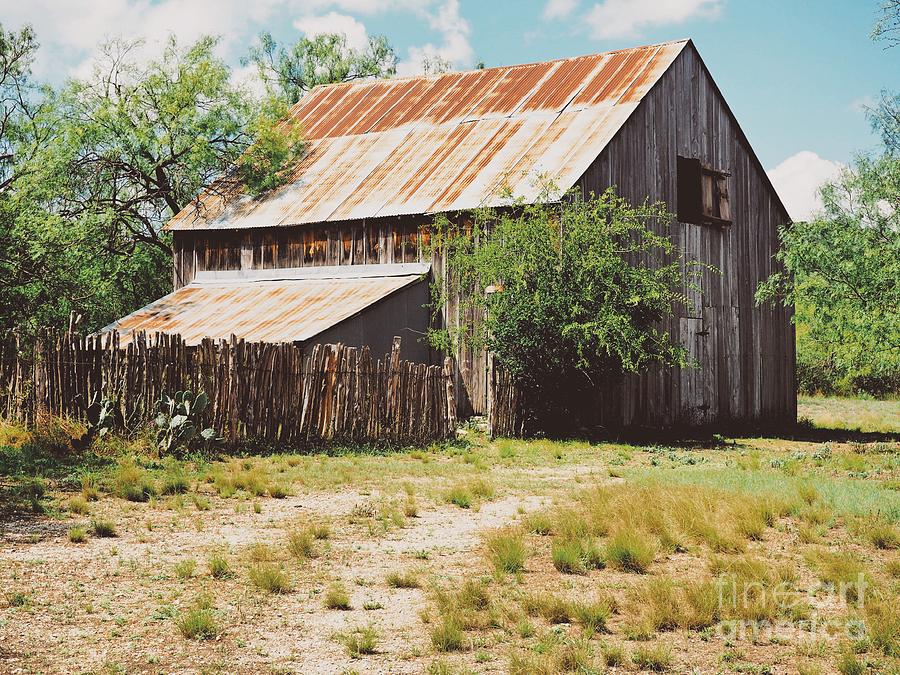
341, 252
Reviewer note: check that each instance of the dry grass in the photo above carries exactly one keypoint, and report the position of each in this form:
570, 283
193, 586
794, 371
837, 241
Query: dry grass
506, 550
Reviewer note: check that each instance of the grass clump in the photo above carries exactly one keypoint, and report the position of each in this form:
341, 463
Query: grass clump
592, 615
405, 579
132, 482
447, 635
552, 608
174, 480
359, 641
884, 535
270, 578
656, 658
506, 550
629, 551
77, 534
337, 597
78, 505
300, 544
102, 527
199, 623
613, 655
576, 556
184, 569
219, 568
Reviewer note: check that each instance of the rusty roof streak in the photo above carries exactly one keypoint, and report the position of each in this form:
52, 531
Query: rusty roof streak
448, 142
282, 310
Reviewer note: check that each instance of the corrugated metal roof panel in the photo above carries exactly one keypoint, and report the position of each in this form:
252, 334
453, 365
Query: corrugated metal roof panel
448, 142
260, 309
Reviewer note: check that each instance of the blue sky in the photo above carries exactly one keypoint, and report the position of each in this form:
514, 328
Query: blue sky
797, 73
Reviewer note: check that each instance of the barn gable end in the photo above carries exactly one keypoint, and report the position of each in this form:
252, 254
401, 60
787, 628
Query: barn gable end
746, 353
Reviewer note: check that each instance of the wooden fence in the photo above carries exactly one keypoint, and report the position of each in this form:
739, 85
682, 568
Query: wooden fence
505, 412
270, 392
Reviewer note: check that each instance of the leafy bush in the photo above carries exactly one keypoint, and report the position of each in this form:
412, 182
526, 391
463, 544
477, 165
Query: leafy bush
565, 300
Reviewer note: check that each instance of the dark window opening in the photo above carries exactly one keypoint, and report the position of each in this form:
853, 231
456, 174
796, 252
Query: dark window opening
702, 194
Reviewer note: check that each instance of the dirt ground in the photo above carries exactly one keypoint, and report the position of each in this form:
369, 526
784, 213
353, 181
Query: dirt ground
112, 604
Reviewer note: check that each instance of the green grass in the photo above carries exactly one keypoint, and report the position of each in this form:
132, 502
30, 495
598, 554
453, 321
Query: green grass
506, 550
184, 569
850, 413
77, 534
405, 579
198, 624
102, 527
359, 641
270, 577
336, 597
656, 658
629, 551
219, 567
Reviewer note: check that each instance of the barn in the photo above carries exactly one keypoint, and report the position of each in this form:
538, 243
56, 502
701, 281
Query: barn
340, 253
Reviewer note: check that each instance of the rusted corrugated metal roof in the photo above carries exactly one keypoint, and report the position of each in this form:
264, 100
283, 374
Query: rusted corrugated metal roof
447, 142
270, 305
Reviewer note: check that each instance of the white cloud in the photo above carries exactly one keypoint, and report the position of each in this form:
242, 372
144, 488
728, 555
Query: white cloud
455, 46
798, 179
559, 9
357, 38
70, 30
626, 18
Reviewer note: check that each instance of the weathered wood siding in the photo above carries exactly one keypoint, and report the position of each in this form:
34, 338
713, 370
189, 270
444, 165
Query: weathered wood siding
745, 352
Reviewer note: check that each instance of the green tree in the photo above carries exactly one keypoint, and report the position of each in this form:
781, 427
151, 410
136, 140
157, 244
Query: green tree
81, 219
568, 304
842, 268
289, 73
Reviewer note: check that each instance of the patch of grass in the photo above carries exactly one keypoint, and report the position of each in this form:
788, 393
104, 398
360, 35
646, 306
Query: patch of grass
592, 615
848, 664
460, 496
447, 635
405, 579
300, 544
102, 527
883, 625
629, 551
371, 605
359, 641
576, 556
278, 490
656, 657
77, 534
184, 569
200, 502
132, 482
258, 552
18, 599
336, 597
506, 550
270, 577
844, 571
174, 481
553, 608
613, 655
883, 535
219, 568
78, 505
198, 624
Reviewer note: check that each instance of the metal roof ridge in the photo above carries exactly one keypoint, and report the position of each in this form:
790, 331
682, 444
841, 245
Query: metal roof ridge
422, 76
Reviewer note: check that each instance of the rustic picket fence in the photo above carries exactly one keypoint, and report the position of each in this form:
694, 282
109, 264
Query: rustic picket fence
505, 410
276, 393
